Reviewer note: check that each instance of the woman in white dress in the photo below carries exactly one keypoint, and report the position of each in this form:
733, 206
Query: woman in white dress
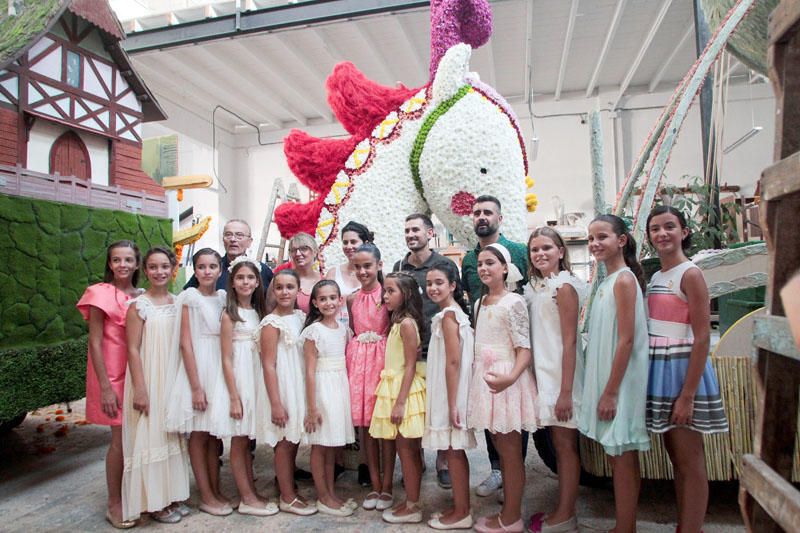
156, 471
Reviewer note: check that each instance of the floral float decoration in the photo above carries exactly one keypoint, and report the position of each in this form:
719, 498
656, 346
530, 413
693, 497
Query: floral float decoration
432, 149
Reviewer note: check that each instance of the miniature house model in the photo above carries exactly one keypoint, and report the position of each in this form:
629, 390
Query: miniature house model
71, 104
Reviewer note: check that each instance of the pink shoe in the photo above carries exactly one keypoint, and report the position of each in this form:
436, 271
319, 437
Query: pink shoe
482, 527
535, 523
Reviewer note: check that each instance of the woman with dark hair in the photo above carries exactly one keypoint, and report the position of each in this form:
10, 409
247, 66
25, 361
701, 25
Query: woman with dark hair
103, 305
353, 236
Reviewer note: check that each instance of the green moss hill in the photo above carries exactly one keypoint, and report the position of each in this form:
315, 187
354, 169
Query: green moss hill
50, 253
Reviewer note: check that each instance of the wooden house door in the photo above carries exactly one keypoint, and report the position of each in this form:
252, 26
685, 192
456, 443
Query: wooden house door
69, 157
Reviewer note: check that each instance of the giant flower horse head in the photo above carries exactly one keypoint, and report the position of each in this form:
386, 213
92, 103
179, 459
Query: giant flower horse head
433, 149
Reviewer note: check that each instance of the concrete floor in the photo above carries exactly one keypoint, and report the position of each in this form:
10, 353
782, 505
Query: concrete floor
57, 483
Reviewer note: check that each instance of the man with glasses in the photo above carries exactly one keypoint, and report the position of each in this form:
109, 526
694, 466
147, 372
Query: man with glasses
236, 238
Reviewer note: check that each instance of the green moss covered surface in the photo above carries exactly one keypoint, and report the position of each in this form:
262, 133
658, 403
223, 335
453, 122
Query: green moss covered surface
33, 17
49, 254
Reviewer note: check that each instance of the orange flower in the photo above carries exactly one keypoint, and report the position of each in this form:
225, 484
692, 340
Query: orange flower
59, 411
59, 418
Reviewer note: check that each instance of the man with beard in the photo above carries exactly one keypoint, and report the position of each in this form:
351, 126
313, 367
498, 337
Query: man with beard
236, 238
417, 262
486, 220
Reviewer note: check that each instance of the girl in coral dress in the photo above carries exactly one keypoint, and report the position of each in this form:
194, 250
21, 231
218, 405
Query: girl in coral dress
328, 421
281, 403
103, 306
502, 394
365, 358
156, 474
400, 406
199, 376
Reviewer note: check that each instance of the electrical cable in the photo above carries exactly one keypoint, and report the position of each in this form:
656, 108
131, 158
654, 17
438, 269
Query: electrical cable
214, 139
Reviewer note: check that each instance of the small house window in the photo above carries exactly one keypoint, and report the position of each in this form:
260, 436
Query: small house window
73, 69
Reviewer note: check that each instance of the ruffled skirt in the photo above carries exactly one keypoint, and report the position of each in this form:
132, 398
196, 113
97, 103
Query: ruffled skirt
513, 409
413, 423
246, 369
333, 404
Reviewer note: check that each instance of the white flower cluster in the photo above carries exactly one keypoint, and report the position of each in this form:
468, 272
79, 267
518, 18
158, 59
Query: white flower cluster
369, 337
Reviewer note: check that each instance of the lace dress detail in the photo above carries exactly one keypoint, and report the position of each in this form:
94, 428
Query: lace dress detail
501, 328
156, 470
290, 370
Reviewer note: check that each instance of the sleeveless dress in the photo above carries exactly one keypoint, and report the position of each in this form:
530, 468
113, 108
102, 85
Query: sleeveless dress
290, 370
540, 295
331, 387
439, 434
413, 424
366, 352
114, 304
627, 430
304, 301
205, 313
501, 328
156, 469
246, 369
671, 340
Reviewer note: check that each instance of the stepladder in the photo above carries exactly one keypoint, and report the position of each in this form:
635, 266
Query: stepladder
279, 195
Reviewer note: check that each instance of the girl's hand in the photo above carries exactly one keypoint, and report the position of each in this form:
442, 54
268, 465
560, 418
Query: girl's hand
109, 403
682, 411
564, 407
607, 406
236, 409
497, 382
279, 415
199, 402
398, 413
455, 419
141, 402
312, 421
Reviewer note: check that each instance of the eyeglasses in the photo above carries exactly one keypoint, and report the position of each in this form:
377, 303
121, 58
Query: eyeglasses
301, 249
229, 235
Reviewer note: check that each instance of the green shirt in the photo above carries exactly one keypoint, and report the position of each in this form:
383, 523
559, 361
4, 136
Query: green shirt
469, 268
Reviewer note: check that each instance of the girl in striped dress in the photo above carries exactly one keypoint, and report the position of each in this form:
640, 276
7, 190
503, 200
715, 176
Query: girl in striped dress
683, 398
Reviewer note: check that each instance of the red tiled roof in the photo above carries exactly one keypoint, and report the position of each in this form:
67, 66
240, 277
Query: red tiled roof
99, 13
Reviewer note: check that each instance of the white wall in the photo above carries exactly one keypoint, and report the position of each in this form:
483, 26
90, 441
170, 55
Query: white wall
43, 135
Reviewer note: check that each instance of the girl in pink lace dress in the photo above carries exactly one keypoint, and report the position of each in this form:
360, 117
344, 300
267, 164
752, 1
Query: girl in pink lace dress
502, 394
365, 357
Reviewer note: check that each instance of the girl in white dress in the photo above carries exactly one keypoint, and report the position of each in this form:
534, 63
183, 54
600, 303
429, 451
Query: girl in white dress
449, 370
156, 472
199, 375
555, 297
235, 408
281, 404
328, 422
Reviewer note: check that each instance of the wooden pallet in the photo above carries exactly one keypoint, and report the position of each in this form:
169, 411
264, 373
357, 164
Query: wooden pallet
769, 502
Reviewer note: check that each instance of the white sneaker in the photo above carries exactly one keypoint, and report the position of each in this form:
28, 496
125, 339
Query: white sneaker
490, 485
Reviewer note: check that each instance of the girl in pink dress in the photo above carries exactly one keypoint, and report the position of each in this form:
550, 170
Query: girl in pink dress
365, 357
103, 306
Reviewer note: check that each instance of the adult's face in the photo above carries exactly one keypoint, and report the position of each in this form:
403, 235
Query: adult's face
350, 243
417, 235
486, 219
236, 239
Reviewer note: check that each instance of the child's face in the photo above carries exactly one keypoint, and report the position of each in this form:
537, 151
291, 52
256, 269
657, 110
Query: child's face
122, 263
665, 233
604, 244
245, 281
206, 270
544, 254
490, 269
285, 289
439, 288
392, 295
366, 267
158, 270
328, 300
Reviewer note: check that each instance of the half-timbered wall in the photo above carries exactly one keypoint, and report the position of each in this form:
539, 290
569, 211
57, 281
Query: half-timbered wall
8, 136
42, 136
9, 88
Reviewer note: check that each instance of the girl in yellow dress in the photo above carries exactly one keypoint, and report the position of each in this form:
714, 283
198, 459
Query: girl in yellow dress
400, 407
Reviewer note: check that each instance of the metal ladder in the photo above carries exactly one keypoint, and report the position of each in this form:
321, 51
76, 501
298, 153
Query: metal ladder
278, 196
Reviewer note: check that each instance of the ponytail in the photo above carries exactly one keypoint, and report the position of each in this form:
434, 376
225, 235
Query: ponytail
629, 254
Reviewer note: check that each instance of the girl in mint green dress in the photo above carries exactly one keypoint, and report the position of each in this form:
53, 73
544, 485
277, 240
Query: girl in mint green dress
617, 364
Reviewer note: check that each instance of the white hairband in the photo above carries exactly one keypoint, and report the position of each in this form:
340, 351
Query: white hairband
514, 274
243, 259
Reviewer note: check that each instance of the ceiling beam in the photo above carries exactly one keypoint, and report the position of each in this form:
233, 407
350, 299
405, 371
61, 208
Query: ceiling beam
256, 92
562, 69
411, 44
677, 48
167, 63
330, 49
263, 20
321, 77
273, 74
361, 29
610, 33
648, 40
